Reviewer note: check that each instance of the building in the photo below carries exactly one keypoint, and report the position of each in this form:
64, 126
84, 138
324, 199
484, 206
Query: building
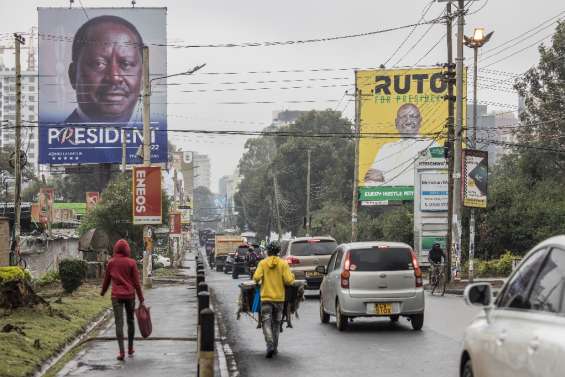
286, 117
202, 171
495, 131
29, 108
228, 185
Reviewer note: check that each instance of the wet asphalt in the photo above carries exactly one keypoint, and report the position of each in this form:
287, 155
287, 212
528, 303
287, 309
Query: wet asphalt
370, 347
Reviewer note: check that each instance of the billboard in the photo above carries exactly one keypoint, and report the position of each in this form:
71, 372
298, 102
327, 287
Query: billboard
434, 191
146, 195
475, 178
90, 82
403, 113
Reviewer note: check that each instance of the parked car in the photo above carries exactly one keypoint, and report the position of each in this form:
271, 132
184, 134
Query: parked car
304, 254
372, 279
522, 332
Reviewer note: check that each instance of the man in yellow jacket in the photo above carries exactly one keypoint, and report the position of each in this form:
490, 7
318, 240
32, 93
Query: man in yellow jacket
273, 274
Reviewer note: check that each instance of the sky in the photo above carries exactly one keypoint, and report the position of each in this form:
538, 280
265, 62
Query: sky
215, 100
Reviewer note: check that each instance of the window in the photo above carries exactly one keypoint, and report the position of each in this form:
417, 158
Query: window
31, 98
331, 263
31, 117
549, 288
312, 247
30, 108
31, 79
339, 257
32, 88
381, 259
516, 291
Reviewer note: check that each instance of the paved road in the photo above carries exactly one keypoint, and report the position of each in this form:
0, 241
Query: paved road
369, 347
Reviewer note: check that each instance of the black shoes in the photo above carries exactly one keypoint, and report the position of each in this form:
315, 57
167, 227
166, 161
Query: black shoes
270, 352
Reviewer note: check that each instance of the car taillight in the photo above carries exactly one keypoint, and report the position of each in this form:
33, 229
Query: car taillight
345, 274
291, 260
417, 271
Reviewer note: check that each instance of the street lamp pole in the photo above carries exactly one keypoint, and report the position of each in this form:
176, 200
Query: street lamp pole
478, 40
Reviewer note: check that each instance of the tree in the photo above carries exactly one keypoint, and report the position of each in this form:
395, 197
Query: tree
113, 214
526, 203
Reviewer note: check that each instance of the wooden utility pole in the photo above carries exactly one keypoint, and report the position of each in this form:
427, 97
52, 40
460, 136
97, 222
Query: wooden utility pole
450, 138
308, 225
19, 40
355, 196
146, 158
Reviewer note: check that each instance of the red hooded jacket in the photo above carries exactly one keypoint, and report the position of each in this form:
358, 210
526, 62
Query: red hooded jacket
122, 272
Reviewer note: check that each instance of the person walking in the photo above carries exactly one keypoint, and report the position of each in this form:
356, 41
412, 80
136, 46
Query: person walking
123, 274
273, 274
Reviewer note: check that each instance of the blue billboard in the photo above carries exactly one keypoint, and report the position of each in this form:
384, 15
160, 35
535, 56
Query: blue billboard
90, 84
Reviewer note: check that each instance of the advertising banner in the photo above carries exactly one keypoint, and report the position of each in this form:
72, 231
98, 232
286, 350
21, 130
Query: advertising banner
403, 113
475, 178
92, 199
146, 195
434, 192
175, 224
185, 213
90, 82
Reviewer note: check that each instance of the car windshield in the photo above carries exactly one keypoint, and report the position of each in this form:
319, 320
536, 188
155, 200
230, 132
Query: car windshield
313, 247
381, 259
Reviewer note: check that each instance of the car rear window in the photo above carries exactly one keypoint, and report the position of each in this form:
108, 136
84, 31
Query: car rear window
381, 259
242, 250
312, 247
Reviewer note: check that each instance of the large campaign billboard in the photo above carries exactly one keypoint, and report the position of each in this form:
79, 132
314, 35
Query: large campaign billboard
91, 84
403, 113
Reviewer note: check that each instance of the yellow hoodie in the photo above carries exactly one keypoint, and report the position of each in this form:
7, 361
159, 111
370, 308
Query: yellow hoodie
273, 274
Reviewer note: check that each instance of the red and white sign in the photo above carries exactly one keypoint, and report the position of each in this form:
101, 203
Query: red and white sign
92, 199
174, 224
146, 195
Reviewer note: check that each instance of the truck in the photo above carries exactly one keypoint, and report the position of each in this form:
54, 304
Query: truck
224, 245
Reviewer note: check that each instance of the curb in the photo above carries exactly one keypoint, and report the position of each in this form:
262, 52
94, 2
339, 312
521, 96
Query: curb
78, 340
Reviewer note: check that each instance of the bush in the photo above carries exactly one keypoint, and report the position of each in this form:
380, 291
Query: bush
72, 273
13, 273
48, 278
501, 267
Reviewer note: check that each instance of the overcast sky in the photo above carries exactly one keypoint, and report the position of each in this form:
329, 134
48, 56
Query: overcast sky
227, 21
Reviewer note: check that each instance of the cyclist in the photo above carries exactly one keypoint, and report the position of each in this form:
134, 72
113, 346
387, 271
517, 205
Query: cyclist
436, 256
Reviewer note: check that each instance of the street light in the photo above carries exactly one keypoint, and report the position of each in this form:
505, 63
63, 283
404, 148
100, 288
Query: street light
475, 42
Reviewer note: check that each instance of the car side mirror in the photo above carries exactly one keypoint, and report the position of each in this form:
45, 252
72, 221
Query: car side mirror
321, 269
478, 294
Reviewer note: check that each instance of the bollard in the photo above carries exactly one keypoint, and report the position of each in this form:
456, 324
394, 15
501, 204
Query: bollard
200, 269
206, 344
202, 287
200, 278
203, 302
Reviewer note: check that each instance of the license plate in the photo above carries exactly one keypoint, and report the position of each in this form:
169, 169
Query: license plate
383, 309
313, 274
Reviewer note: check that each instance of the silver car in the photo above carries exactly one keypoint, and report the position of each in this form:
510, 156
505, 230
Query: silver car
522, 332
372, 279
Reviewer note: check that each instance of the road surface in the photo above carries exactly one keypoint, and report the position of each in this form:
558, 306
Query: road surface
368, 347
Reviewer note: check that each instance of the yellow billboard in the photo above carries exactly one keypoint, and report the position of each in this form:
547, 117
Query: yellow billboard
403, 112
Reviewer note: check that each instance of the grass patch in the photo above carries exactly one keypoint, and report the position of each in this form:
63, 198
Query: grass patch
165, 272
42, 334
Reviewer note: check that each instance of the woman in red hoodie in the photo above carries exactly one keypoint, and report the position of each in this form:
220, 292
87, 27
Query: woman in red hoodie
122, 272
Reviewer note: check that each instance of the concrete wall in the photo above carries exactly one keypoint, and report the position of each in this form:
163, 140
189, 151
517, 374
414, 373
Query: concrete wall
43, 255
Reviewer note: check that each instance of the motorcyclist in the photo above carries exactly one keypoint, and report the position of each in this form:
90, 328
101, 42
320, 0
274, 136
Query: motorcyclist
273, 273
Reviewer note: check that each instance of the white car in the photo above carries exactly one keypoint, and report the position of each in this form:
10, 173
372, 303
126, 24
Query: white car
522, 332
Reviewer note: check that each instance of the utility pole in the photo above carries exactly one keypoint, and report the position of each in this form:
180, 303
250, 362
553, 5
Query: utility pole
279, 227
19, 40
450, 139
146, 158
456, 218
355, 196
308, 225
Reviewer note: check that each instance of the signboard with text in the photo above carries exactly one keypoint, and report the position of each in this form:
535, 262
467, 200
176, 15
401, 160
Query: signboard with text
146, 195
433, 191
475, 178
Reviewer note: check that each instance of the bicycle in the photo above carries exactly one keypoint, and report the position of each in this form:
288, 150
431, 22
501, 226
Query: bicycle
18, 258
438, 281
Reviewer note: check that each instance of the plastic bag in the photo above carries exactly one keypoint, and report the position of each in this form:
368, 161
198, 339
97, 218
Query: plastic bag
144, 320
256, 307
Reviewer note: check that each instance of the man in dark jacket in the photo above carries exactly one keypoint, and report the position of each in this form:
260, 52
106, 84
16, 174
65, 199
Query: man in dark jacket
122, 272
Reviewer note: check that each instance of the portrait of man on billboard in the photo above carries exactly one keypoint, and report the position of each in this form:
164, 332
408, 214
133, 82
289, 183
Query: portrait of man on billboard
392, 163
106, 70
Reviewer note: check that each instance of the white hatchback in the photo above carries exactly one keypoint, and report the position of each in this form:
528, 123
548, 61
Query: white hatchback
522, 332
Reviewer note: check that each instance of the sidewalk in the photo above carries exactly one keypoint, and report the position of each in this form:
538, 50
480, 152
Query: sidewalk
170, 350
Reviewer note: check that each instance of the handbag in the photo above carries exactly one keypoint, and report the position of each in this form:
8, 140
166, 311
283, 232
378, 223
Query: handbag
144, 320
256, 307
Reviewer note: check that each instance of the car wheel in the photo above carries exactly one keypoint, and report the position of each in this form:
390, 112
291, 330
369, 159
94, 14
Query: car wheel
394, 318
218, 268
324, 317
340, 319
467, 370
417, 321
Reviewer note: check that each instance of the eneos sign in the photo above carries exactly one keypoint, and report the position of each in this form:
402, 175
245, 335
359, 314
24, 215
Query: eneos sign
146, 195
